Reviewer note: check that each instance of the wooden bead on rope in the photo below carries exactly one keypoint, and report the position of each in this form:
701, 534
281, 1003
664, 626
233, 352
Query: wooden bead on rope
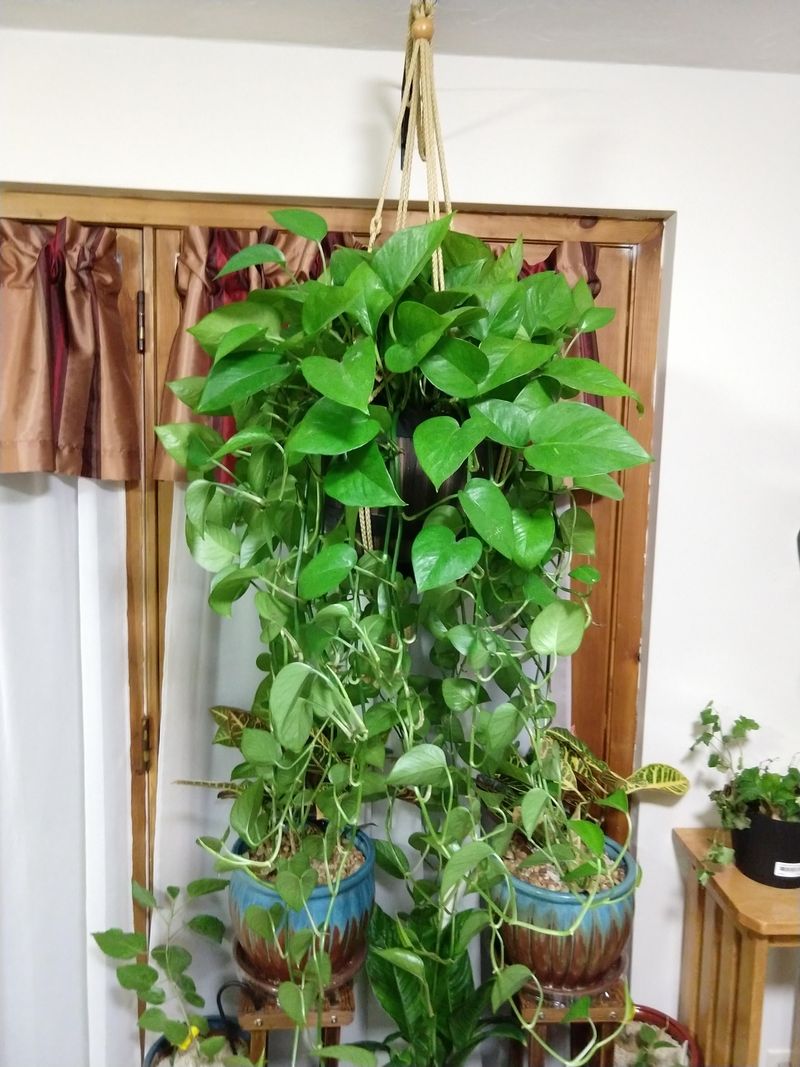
422, 28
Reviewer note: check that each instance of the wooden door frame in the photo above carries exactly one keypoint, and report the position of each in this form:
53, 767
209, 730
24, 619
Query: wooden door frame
608, 720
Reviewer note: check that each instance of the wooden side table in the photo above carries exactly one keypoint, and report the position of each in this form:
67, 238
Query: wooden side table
607, 1010
260, 1016
728, 927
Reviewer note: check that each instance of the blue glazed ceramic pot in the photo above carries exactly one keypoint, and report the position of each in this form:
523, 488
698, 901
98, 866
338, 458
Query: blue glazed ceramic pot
346, 941
162, 1050
586, 960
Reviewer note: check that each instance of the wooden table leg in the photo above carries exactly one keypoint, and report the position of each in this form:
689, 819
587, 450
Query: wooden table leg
516, 1051
693, 910
258, 1045
707, 991
535, 1050
605, 1057
794, 1057
725, 1019
331, 1035
580, 1035
749, 1000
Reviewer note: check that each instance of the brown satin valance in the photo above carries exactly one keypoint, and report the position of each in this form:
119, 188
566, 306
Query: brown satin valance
67, 399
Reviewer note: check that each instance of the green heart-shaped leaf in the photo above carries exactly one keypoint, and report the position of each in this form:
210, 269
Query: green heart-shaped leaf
245, 338
403, 255
508, 359
600, 485
289, 707
239, 377
304, 223
489, 514
438, 559
329, 429
442, 445
322, 304
549, 303
558, 629
362, 480
418, 329
350, 382
591, 377
534, 535
578, 440
367, 299
251, 256
503, 422
422, 765
456, 367
327, 570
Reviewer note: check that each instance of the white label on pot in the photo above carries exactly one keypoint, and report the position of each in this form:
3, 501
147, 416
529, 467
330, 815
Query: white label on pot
787, 870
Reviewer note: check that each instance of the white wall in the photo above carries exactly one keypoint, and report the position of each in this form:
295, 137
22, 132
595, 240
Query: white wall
720, 149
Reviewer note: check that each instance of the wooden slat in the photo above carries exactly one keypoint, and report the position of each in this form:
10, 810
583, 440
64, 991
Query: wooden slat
709, 964
592, 667
693, 911
631, 545
725, 1012
130, 253
749, 1002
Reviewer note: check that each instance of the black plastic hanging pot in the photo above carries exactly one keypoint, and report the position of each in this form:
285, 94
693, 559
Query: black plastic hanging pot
768, 851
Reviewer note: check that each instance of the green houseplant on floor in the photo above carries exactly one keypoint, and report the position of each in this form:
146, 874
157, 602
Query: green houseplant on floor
173, 1006
353, 395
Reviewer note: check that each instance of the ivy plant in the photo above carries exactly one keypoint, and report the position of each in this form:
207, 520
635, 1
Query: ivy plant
745, 789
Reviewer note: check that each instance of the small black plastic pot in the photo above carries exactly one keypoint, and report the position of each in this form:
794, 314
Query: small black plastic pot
768, 851
222, 1023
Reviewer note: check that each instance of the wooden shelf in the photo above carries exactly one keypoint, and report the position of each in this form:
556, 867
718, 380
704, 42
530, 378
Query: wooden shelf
768, 912
728, 927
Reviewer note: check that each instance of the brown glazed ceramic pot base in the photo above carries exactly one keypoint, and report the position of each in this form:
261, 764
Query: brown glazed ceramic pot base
566, 996
270, 989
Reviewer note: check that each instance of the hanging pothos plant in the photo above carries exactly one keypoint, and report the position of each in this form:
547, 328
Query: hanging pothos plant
406, 461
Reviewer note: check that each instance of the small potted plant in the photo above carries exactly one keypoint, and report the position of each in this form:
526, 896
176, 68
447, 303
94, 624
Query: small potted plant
570, 899
653, 1039
758, 805
301, 870
189, 1039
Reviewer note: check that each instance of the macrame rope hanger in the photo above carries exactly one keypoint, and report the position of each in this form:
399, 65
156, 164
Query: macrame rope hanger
417, 126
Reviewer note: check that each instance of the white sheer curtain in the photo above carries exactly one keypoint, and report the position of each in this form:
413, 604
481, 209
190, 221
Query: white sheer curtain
208, 660
65, 835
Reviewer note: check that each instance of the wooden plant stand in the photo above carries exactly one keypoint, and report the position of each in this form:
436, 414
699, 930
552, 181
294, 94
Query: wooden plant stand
728, 927
259, 1016
607, 1011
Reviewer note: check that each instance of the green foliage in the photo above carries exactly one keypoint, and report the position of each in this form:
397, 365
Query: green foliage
165, 978
404, 468
420, 972
746, 789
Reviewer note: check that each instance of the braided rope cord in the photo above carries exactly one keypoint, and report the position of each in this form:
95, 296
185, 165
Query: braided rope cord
424, 131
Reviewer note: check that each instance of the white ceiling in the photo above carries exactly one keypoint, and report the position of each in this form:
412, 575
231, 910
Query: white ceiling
737, 34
